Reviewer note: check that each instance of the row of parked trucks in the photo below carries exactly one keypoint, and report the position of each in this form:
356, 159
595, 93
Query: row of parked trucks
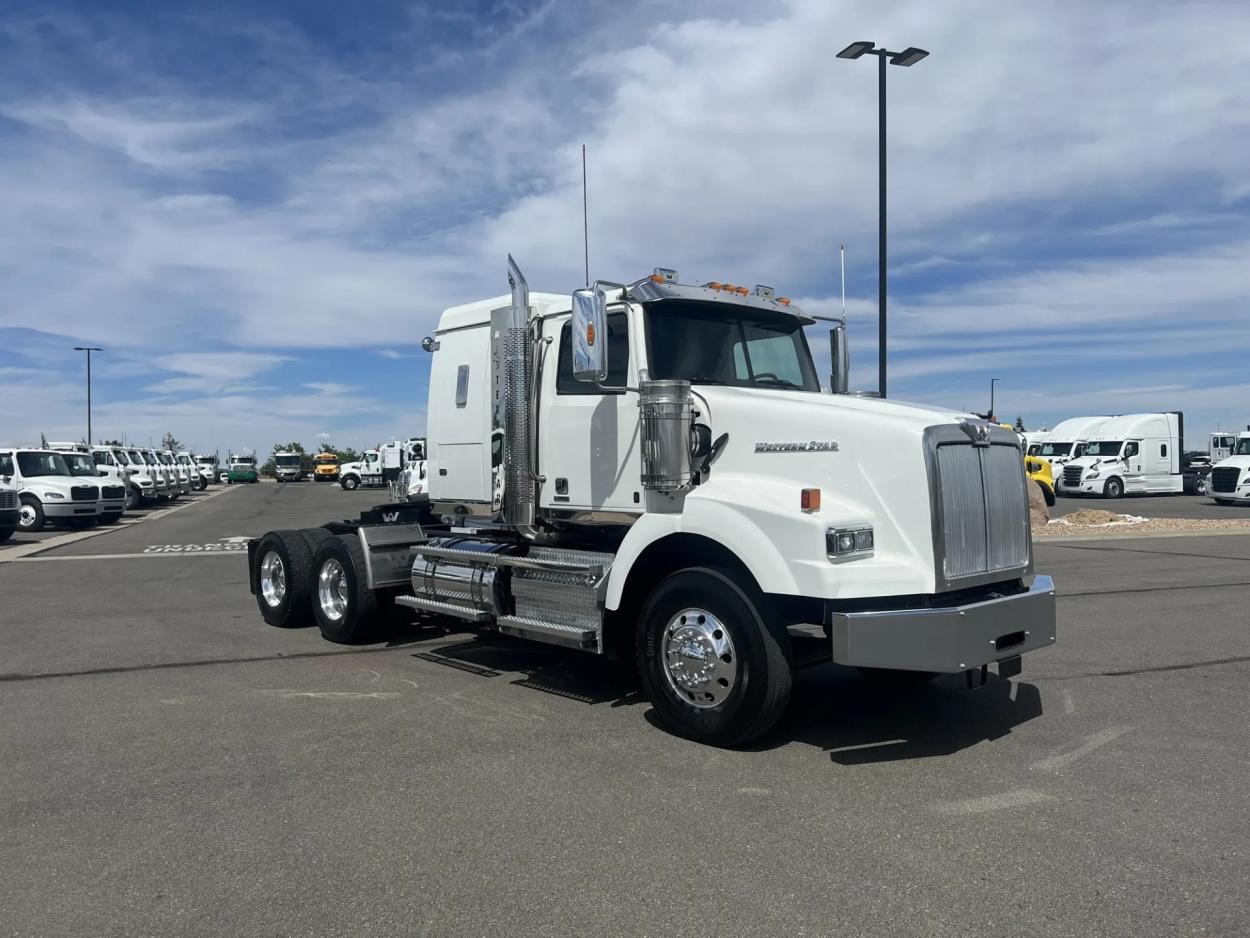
651, 471
77, 484
1112, 456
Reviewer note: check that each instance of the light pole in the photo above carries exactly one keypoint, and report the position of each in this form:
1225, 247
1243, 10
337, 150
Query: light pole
88, 349
909, 56
993, 381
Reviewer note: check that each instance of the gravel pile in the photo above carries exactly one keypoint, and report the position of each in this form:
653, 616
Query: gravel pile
1089, 521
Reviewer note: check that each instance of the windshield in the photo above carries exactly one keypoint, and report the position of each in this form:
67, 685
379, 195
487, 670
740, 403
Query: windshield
42, 464
1104, 448
1056, 449
326, 457
121, 457
714, 343
79, 464
1243, 447
287, 462
244, 461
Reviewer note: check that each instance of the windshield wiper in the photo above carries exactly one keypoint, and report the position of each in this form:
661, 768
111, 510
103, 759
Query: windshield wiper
706, 381
779, 382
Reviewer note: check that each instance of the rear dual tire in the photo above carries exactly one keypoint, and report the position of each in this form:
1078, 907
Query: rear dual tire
343, 606
283, 573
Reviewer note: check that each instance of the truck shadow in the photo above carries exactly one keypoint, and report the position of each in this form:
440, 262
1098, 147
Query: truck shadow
859, 720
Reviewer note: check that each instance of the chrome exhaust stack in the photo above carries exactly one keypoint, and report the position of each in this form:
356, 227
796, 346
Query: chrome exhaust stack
519, 476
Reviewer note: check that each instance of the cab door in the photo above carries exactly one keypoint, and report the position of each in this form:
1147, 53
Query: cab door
1134, 480
588, 438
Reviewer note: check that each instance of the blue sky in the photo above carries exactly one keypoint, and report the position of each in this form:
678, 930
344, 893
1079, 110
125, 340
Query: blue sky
260, 209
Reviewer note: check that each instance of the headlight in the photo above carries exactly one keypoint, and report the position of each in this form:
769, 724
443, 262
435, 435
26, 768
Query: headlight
1092, 475
55, 495
848, 542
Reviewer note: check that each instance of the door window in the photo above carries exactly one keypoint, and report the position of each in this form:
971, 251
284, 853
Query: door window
618, 358
1131, 449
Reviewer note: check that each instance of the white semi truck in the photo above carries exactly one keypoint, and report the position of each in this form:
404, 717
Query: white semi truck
652, 471
382, 466
46, 491
1229, 481
197, 479
1065, 442
112, 490
207, 468
147, 475
1132, 454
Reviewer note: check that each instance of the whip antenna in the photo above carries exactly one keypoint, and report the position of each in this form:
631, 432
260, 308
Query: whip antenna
585, 218
842, 251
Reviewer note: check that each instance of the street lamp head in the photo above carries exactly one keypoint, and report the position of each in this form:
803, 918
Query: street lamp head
909, 56
855, 50
87, 348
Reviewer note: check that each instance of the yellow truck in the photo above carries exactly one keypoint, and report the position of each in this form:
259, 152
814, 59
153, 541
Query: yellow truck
325, 467
1036, 468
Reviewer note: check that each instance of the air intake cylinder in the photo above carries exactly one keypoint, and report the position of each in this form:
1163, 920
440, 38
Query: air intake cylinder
666, 416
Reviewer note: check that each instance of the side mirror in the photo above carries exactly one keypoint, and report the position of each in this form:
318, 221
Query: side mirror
839, 359
590, 336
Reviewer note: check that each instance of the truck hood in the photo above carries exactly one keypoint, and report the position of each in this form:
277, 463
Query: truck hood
1233, 462
40, 485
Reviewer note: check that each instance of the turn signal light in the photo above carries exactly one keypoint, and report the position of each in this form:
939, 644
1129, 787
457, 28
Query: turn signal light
809, 499
713, 285
783, 300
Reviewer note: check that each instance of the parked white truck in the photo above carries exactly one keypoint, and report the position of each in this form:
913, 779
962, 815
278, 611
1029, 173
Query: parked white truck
196, 478
8, 504
207, 468
380, 467
112, 490
652, 471
1229, 481
1132, 454
1065, 442
412, 482
147, 474
47, 492
1222, 445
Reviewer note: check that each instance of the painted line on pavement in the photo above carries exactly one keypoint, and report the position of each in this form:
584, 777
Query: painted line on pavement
133, 556
1019, 798
72, 537
1096, 741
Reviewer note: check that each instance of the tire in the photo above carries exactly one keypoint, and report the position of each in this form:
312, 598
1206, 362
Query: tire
1223, 501
754, 690
30, 515
6, 532
339, 580
1113, 488
349, 483
1048, 495
282, 578
1200, 486
111, 518
133, 499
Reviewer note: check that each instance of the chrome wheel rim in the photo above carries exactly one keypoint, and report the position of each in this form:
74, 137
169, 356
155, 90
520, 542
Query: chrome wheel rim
25, 516
332, 590
272, 579
700, 662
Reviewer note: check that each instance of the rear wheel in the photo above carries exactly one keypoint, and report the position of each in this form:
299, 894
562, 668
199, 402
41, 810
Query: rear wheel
714, 665
282, 577
1048, 495
345, 609
1113, 488
30, 516
1200, 486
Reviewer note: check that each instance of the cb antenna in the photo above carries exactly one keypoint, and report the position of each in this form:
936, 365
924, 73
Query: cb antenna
585, 219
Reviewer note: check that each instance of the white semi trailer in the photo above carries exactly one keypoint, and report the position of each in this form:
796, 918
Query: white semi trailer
652, 471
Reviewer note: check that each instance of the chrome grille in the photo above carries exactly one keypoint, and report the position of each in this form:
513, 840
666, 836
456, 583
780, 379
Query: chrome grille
984, 511
8, 500
1224, 478
1072, 475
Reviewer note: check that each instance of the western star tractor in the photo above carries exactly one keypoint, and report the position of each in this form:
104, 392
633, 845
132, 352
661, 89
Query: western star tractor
652, 471
242, 469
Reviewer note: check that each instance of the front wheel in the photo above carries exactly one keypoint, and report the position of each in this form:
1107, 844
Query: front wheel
6, 531
714, 665
30, 516
1113, 488
133, 499
349, 483
111, 518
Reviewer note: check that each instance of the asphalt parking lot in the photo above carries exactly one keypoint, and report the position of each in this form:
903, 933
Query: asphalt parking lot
174, 766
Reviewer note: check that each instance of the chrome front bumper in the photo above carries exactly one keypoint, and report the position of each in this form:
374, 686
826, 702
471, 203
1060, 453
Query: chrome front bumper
948, 638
